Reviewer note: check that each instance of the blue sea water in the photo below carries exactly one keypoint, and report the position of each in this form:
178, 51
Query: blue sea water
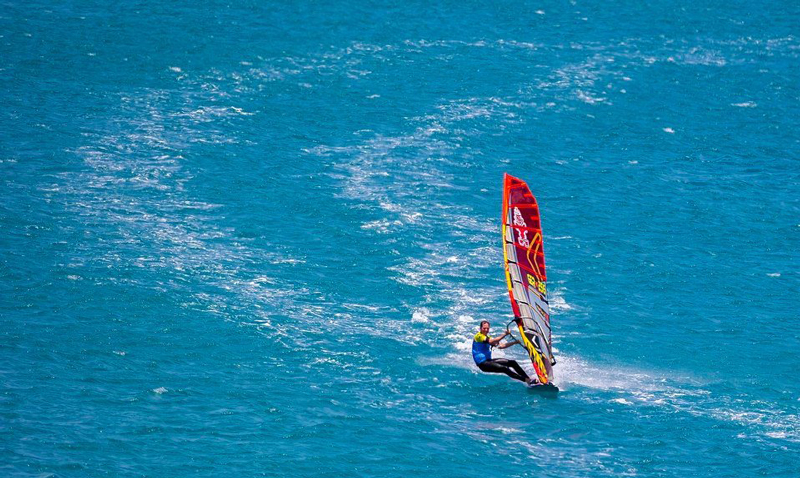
254, 238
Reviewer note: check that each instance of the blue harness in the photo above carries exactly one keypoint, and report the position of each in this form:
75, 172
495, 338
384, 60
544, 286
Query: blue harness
481, 351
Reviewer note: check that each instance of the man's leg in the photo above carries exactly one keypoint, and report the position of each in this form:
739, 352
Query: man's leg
498, 366
518, 368
513, 364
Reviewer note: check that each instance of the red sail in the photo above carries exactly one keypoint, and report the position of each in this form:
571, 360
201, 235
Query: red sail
526, 276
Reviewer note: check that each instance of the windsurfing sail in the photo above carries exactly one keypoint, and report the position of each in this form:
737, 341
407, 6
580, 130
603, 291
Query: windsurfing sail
523, 254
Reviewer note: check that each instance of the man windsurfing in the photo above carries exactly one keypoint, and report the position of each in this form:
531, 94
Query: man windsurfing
482, 346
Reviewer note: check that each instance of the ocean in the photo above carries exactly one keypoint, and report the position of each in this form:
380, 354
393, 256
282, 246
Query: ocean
256, 238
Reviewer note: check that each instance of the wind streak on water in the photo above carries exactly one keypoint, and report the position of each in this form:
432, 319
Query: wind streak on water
135, 181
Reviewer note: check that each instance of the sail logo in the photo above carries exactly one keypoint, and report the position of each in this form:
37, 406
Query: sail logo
537, 284
522, 236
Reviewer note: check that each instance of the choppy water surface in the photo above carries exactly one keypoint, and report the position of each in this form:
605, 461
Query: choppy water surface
245, 239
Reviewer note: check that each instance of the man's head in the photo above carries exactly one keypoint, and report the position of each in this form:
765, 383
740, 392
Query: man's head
485, 327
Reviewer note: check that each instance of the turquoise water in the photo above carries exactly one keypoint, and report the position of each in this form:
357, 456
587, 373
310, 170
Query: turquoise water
250, 239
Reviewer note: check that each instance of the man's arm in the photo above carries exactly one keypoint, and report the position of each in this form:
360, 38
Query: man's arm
507, 344
493, 342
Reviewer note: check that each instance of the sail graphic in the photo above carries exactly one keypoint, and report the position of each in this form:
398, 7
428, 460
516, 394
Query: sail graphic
526, 276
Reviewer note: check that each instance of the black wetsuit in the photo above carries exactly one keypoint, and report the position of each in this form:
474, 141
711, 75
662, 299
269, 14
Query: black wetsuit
482, 353
501, 365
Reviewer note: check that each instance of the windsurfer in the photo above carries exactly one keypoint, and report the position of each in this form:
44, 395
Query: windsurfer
482, 354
